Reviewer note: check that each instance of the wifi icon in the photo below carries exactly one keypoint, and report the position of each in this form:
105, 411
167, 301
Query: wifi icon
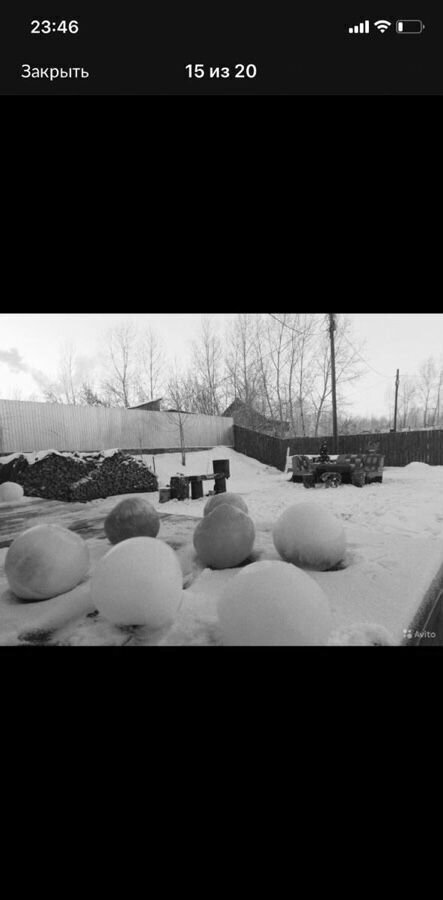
382, 25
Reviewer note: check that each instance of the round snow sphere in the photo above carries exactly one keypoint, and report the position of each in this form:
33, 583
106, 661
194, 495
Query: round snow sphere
10, 491
310, 537
224, 538
230, 499
271, 603
133, 517
139, 582
45, 561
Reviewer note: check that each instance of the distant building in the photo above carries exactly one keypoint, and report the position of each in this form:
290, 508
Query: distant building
151, 406
248, 417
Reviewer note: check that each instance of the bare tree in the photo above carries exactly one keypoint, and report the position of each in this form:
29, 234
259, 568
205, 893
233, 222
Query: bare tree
50, 395
89, 397
206, 366
304, 328
277, 335
407, 394
277, 364
264, 381
64, 388
121, 354
292, 357
438, 389
151, 365
67, 376
309, 333
241, 360
348, 368
282, 342
73, 375
16, 393
426, 386
178, 397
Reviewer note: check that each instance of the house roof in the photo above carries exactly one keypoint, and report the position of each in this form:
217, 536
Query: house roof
238, 406
153, 405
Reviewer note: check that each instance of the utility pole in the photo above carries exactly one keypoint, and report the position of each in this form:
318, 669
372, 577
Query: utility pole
397, 382
332, 328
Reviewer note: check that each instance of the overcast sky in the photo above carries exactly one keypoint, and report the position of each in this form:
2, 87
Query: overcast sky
30, 347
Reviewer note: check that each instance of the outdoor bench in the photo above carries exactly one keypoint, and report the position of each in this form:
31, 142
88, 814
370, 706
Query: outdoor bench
358, 469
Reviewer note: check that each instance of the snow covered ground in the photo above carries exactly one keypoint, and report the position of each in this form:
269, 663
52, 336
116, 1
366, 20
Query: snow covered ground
394, 534
409, 501
394, 559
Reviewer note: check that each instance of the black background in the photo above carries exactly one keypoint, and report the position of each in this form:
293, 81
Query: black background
299, 48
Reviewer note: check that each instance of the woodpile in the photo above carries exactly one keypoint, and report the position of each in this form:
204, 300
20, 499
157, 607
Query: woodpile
79, 478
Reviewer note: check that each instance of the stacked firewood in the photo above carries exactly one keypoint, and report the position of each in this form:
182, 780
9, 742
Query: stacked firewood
73, 477
117, 474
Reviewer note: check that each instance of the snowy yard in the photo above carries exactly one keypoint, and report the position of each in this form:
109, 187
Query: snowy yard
409, 501
392, 574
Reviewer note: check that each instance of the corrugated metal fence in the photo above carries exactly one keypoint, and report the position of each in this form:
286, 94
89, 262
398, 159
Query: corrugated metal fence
26, 426
399, 448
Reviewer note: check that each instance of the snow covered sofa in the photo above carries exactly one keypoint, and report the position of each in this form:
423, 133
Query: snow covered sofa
368, 464
301, 466
371, 463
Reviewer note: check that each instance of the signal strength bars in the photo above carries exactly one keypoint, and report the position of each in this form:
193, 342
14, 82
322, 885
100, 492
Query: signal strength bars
362, 28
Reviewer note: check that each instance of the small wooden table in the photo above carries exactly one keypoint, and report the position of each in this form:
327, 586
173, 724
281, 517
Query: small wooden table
180, 485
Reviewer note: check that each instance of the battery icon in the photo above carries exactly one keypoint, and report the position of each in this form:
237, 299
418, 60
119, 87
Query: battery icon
409, 26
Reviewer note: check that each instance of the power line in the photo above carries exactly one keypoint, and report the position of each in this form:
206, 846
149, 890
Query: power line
372, 386
285, 324
291, 328
382, 375
285, 346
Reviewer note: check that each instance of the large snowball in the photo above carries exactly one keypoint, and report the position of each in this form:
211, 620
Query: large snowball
139, 582
231, 499
133, 517
224, 538
271, 603
310, 537
45, 561
10, 491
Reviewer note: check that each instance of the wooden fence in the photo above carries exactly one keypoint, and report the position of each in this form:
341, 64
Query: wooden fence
26, 426
399, 448
269, 450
